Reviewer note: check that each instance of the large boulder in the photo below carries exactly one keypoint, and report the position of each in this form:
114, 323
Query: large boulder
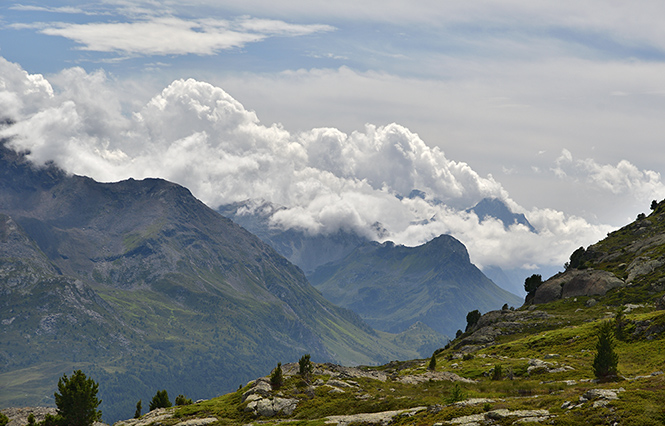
573, 283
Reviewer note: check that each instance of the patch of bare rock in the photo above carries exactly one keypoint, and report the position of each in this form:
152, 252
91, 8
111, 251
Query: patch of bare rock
382, 418
575, 282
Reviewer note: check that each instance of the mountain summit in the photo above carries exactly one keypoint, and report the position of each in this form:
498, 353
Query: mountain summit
392, 286
497, 209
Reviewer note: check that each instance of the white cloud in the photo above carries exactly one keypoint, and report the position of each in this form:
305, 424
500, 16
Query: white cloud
196, 134
170, 35
623, 179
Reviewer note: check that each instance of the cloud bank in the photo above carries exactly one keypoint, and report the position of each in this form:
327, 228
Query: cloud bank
196, 134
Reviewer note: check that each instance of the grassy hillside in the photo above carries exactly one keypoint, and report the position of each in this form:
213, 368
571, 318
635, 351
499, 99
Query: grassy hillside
530, 364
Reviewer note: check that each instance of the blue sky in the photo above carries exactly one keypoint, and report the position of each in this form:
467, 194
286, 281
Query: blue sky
554, 106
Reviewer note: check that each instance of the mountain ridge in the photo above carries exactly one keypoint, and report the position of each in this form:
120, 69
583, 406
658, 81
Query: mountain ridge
144, 284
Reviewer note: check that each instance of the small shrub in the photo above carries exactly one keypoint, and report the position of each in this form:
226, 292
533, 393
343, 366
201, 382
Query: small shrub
182, 400
3, 419
467, 357
487, 407
456, 394
31, 419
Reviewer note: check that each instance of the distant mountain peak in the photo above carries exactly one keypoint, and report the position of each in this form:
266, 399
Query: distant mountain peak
497, 209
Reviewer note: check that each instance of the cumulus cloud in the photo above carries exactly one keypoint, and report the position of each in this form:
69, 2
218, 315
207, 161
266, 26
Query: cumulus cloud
171, 35
622, 179
198, 135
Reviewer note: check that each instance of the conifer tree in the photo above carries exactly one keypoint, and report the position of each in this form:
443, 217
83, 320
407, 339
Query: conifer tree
160, 400
305, 367
432, 363
139, 408
77, 401
276, 378
606, 360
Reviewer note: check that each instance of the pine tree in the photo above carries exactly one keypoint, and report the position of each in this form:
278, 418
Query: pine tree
606, 360
305, 367
160, 400
77, 400
139, 408
276, 378
432, 363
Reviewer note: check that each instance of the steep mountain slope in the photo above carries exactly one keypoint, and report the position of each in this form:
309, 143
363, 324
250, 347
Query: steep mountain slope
629, 264
144, 286
529, 365
392, 286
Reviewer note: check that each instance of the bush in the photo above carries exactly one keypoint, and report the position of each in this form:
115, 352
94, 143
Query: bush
606, 360
276, 378
160, 400
456, 394
31, 419
3, 419
77, 400
182, 400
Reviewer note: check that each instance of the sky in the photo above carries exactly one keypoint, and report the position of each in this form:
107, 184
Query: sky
338, 110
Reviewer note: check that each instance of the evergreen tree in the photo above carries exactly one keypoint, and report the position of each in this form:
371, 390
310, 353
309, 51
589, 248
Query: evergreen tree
432, 363
160, 400
305, 367
472, 319
532, 283
497, 373
276, 378
77, 400
139, 408
606, 360
3, 419
31, 419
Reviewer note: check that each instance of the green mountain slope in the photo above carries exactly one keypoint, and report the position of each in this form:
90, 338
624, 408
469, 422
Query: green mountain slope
391, 287
532, 364
145, 287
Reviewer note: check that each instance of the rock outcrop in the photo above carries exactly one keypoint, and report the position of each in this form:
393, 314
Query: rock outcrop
573, 283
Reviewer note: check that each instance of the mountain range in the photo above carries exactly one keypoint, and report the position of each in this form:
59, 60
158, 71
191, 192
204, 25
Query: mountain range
145, 287
536, 364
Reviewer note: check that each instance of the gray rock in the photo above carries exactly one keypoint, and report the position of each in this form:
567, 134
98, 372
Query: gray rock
587, 282
608, 394
261, 387
271, 407
642, 266
591, 302
339, 384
